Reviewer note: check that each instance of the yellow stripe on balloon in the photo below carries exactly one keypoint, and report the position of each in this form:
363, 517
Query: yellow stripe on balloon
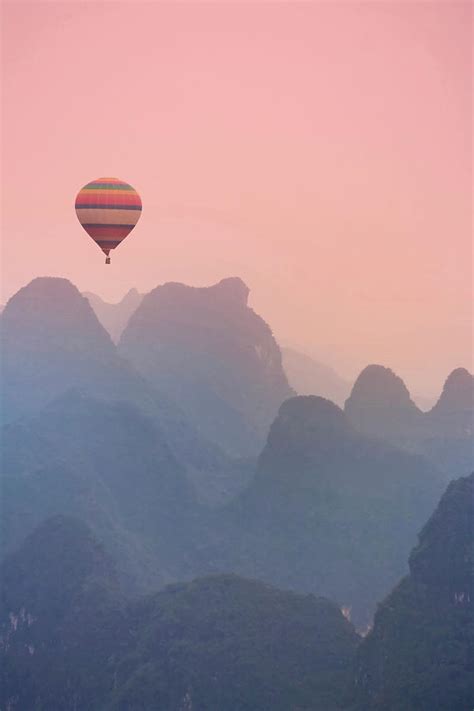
103, 216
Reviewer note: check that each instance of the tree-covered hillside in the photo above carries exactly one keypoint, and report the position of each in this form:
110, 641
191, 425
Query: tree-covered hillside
420, 653
70, 643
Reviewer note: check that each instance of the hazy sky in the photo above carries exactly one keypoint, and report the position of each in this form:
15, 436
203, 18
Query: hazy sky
320, 150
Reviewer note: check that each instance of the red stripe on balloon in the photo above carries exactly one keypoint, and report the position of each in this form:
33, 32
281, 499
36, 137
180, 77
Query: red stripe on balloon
112, 232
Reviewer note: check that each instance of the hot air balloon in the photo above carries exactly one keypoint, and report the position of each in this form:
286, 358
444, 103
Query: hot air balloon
108, 209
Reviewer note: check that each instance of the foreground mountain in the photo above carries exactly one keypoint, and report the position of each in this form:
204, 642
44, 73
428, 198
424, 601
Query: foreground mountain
419, 653
52, 342
208, 351
114, 317
329, 510
69, 642
228, 643
308, 376
59, 607
380, 406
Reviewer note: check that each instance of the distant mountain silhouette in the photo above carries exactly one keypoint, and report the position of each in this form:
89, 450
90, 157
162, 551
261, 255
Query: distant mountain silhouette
419, 653
380, 403
453, 414
69, 642
114, 317
380, 406
330, 510
308, 376
52, 342
214, 356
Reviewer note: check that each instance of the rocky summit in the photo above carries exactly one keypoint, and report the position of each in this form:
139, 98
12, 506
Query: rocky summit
212, 354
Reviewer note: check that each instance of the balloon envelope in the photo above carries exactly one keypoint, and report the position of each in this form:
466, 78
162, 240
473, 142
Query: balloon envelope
108, 209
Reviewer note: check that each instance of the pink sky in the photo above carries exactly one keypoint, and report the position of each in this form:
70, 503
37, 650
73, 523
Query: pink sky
320, 150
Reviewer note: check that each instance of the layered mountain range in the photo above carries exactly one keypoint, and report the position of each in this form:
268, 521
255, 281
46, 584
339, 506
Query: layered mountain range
70, 639
52, 342
306, 375
133, 454
329, 510
379, 405
138, 450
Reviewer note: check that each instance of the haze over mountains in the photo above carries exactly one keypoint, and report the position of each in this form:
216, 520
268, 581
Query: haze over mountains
309, 377
182, 452
306, 376
114, 317
52, 342
82, 457
69, 639
329, 510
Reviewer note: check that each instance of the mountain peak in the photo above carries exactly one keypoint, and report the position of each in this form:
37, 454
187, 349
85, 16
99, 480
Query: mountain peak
380, 403
308, 422
54, 292
131, 294
51, 340
49, 315
377, 385
233, 289
313, 408
458, 392
47, 552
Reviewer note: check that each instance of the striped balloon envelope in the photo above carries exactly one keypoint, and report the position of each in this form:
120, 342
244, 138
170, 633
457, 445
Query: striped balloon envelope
108, 209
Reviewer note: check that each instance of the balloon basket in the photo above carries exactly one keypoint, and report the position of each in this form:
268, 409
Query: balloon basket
107, 260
